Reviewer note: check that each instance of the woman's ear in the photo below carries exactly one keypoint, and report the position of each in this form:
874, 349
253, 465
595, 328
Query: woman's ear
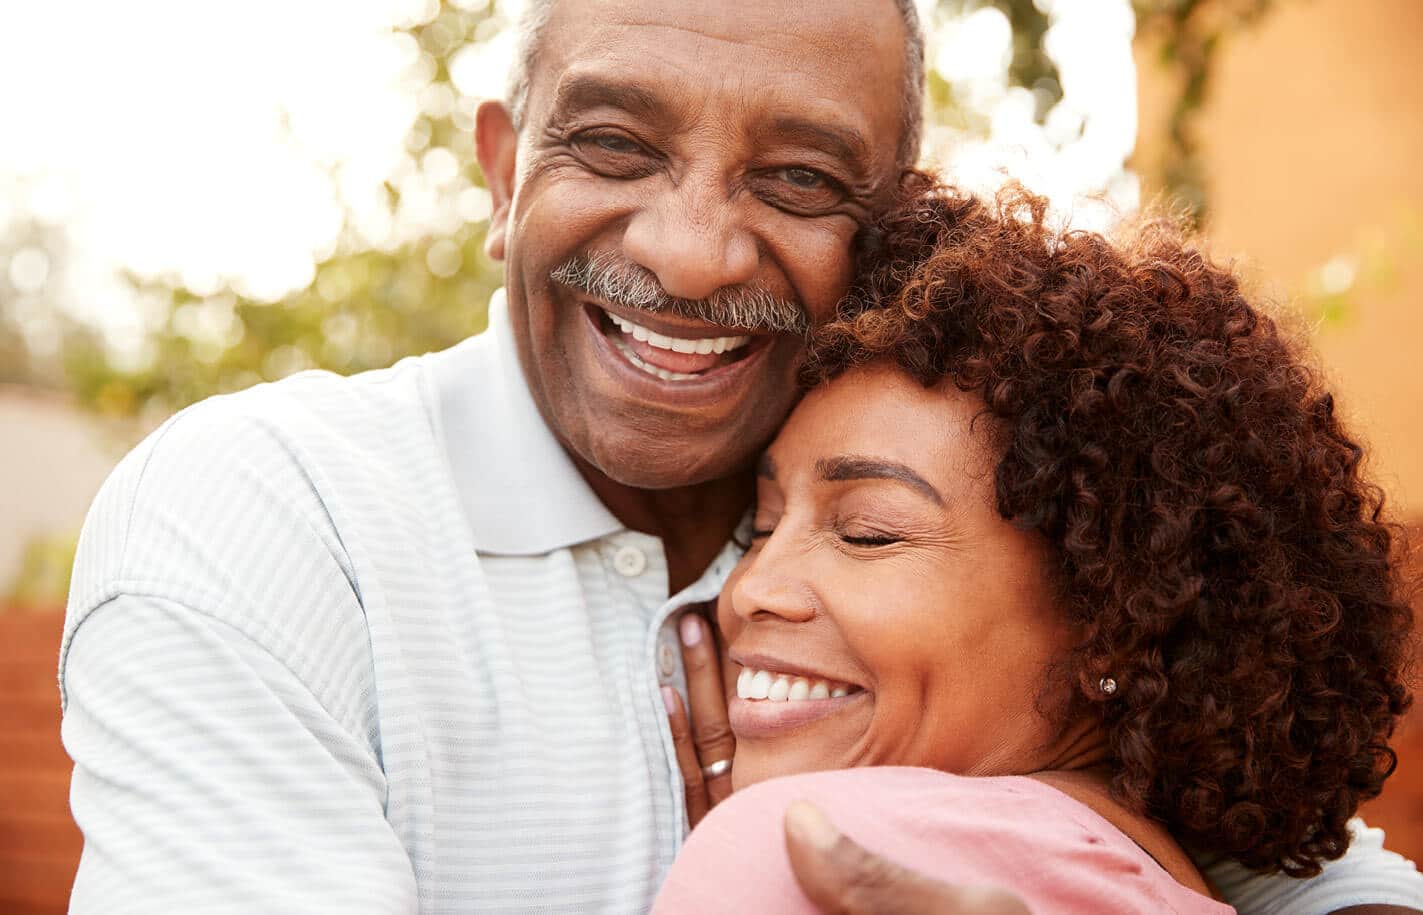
496, 143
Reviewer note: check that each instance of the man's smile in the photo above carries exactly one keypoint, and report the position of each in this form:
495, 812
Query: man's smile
674, 352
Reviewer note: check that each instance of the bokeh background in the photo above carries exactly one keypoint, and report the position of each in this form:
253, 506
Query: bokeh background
196, 198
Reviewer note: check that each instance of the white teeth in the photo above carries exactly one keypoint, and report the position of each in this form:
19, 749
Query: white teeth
701, 345
650, 369
760, 685
763, 684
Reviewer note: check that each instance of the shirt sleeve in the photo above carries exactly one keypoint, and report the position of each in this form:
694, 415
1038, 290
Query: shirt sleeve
208, 778
1367, 874
218, 684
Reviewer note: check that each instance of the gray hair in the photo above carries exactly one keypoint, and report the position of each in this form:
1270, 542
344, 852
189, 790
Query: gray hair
619, 281
537, 13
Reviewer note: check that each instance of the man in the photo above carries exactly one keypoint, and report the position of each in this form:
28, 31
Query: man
397, 642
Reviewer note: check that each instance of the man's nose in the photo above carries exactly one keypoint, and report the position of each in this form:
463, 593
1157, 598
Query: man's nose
693, 239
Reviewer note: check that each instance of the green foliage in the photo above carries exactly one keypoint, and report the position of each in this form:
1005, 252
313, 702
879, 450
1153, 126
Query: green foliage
1191, 32
368, 306
45, 568
364, 310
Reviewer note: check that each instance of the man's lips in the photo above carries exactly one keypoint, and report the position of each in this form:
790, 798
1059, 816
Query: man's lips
672, 351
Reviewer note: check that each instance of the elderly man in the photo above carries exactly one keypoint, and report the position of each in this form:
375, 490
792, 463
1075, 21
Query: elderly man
397, 642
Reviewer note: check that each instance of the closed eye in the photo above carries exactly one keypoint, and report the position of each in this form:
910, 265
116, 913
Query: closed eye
874, 540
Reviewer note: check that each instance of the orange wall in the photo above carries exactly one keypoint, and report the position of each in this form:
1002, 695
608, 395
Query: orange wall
1314, 144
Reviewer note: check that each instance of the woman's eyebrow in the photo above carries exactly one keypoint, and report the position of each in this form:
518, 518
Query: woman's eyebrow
856, 467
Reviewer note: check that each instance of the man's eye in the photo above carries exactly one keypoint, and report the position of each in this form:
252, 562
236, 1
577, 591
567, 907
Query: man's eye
614, 154
614, 143
801, 191
807, 179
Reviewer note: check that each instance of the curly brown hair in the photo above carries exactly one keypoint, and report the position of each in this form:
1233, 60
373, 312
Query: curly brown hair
1209, 523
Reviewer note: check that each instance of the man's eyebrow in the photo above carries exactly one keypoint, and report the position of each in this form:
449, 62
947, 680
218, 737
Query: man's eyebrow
842, 142
582, 91
855, 467
766, 468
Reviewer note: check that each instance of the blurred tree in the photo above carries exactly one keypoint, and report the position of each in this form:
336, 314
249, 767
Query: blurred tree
375, 300
369, 303
1190, 33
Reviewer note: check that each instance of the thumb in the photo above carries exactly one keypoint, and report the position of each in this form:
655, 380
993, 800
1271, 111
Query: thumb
842, 878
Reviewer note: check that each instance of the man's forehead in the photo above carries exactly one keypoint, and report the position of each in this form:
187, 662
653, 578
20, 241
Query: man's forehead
786, 58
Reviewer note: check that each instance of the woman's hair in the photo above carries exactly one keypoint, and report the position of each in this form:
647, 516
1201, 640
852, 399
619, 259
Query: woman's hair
1210, 527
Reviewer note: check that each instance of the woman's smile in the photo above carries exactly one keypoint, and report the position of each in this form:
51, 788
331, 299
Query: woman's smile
774, 696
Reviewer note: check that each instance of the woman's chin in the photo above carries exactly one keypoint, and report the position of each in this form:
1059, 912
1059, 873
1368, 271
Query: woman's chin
753, 765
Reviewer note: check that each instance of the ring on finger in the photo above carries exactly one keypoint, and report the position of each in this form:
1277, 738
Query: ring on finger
716, 769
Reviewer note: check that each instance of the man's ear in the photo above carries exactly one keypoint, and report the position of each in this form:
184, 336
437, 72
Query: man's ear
496, 143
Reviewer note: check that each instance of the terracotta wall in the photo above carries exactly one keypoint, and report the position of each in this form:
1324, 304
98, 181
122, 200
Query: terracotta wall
1313, 145
39, 843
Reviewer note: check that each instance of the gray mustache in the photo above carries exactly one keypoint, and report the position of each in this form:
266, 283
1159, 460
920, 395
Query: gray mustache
618, 282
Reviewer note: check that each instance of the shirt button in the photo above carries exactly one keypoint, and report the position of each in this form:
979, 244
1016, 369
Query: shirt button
630, 561
666, 660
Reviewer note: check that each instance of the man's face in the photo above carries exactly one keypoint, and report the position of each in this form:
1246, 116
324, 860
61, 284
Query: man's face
689, 181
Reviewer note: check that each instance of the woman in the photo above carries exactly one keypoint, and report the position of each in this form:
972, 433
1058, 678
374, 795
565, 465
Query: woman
1074, 519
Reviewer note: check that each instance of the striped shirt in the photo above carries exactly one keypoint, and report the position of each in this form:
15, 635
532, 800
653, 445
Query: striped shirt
370, 645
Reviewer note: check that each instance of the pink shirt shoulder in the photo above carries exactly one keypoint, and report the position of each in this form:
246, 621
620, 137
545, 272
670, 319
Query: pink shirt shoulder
1054, 852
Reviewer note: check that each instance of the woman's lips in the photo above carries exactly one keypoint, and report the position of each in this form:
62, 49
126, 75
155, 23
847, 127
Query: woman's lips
752, 718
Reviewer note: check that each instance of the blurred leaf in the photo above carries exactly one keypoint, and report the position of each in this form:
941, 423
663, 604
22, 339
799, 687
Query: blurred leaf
43, 579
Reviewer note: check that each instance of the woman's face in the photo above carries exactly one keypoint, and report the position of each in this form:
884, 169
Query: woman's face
886, 614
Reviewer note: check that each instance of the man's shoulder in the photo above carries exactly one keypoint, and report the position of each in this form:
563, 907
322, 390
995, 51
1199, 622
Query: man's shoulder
268, 482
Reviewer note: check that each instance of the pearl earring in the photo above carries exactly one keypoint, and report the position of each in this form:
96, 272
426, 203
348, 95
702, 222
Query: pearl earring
1107, 685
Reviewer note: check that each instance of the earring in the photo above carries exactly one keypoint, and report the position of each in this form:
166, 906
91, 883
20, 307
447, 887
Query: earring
1107, 685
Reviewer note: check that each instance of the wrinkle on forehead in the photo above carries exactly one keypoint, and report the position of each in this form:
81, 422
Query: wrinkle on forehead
780, 35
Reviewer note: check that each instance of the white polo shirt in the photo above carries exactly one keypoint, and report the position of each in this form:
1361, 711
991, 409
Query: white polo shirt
373, 645
370, 645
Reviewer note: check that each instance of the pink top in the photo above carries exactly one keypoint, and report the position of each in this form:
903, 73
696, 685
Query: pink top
1057, 854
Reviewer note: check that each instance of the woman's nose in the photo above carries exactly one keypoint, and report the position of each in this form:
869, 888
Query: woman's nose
693, 239
770, 585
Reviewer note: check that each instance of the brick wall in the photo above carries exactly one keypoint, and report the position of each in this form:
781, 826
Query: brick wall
39, 843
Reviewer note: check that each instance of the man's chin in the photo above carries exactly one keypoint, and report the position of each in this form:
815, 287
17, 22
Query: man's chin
665, 464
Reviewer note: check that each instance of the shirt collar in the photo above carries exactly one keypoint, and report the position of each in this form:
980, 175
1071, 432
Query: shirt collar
521, 492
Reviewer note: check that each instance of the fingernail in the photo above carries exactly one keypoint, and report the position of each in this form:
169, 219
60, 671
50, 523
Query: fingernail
811, 826
691, 630
669, 699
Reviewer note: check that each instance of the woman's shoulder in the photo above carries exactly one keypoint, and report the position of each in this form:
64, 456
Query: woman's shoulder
1051, 850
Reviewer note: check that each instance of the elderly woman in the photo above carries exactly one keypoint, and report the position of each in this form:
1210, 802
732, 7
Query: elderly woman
1069, 535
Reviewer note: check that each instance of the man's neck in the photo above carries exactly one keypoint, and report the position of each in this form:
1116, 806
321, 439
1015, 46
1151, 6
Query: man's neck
693, 522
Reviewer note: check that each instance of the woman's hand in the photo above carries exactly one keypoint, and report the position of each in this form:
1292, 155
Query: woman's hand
704, 744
